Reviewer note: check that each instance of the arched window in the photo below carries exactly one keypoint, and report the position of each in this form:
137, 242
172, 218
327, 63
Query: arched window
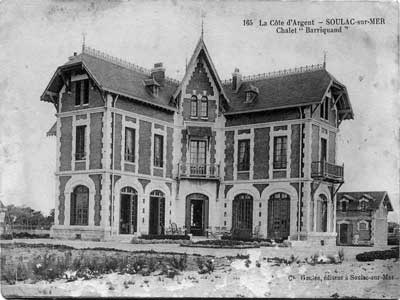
242, 214
79, 205
322, 213
204, 107
157, 212
128, 210
279, 216
193, 107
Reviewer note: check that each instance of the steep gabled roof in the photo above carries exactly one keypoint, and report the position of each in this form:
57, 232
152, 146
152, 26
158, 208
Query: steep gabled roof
375, 198
114, 76
201, 48
277, 90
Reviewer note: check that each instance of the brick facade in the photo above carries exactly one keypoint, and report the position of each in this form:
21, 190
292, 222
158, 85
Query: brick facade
215, 182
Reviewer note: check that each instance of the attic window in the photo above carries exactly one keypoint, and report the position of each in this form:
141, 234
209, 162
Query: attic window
251, 93
152, 85
344, 205
249, 96
155, 90
363, 204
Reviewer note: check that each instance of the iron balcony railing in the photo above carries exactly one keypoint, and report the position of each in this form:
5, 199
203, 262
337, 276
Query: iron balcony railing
327, 171
198, 170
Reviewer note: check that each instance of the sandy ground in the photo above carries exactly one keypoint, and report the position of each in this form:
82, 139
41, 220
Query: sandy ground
378, 279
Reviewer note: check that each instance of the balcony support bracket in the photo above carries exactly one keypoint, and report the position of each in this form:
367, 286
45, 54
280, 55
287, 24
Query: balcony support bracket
337, 190
316, 188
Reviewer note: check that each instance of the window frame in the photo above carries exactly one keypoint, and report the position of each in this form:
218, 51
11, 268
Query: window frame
194, 110
158, 158
204, 112
346, 206
130, 157
280, 164
363, 222
244, 165
363, 205
82, 92
78, 89
82, 218
79, 155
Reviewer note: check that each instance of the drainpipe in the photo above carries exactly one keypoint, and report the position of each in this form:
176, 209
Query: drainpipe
113, 169
300, 190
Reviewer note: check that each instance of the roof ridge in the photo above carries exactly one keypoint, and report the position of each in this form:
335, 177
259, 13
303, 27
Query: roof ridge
121, 62
279, 73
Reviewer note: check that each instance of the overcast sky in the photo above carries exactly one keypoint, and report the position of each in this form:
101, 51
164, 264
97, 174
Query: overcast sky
36, 37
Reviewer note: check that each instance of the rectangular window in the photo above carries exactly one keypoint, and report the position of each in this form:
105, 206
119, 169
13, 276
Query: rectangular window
85, 91
280, 146
344, 206
158, 150
244, 155
80, 142
130, 144
198, 157
77, 93
324, 149
204, 107
193, 107
82, 92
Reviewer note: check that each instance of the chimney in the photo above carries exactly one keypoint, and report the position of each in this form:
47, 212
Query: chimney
236, 80
158, 73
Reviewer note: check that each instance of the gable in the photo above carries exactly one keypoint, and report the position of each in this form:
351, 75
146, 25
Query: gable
200, 81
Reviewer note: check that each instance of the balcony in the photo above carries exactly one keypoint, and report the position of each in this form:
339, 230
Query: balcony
325, 171
198, 171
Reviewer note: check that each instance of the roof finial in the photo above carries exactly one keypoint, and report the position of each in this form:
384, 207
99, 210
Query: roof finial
202, 25
83, 41
324, 59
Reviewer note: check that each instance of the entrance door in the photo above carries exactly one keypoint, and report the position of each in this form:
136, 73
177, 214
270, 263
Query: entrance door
343, 230
242, 216
279, 216
197, 217
128, 211
196, 213
198, 158
157, 213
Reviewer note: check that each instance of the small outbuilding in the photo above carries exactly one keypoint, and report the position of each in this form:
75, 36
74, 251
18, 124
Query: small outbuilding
361, 218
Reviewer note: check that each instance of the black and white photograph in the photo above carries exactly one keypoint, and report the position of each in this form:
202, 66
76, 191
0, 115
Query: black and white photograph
199, 149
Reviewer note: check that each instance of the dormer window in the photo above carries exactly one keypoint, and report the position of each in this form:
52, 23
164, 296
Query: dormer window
248, 97
155, 90
344, 205
251, 93
152, 85
363, 205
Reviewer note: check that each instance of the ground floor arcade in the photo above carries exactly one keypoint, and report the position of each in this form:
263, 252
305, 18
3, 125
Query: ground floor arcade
87, 209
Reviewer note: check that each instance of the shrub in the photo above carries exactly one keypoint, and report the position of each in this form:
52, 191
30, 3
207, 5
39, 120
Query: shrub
179, 262
164, 237
6, 236
205, 266
384, 254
